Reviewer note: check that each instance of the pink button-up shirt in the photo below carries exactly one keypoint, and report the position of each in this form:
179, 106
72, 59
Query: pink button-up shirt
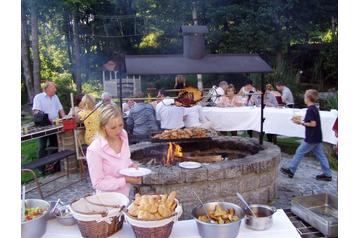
104, 164
236, 101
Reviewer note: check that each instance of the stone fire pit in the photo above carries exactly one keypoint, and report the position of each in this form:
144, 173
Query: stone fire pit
248, 167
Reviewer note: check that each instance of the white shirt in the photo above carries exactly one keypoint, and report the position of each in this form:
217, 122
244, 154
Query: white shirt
194, 116
47, 104
170, 116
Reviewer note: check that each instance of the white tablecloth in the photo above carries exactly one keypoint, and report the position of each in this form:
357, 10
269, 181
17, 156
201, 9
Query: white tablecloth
277, 121
282, 227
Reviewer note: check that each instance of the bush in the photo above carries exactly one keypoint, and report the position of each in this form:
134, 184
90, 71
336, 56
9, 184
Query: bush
332, 103
65, 87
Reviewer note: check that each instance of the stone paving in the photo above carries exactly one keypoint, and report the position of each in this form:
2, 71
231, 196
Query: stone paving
304, 183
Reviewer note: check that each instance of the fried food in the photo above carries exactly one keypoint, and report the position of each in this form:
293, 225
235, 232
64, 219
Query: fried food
183, 133
220, 215
153, 207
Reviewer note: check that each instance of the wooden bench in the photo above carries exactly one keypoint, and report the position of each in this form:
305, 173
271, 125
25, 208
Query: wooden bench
58, 156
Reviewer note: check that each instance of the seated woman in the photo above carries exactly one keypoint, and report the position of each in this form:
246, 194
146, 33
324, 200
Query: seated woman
109, 153
92, 121
230, 99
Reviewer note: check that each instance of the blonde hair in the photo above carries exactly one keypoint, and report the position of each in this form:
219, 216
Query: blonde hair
88, 102
312, 95
107, 113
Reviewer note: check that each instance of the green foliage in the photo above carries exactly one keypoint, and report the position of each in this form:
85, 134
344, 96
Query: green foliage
283, 73
332, 103
93, 87
65, 87
29, 152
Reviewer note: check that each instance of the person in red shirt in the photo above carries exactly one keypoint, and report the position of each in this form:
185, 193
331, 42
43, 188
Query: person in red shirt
335, 129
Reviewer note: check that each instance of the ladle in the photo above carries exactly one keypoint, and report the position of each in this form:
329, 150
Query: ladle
206, 210
245, 203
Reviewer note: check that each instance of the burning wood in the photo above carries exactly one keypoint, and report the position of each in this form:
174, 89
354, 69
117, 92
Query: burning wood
174, 151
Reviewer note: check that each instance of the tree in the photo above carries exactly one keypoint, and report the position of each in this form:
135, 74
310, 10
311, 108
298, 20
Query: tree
25, 59
35, 47
77, 53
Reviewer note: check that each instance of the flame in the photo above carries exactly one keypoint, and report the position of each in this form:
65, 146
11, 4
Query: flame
174, 150
178, 151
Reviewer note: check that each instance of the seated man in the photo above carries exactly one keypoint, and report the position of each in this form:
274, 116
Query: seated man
106, 98
287, 97
247, 89
141, 119
169, 115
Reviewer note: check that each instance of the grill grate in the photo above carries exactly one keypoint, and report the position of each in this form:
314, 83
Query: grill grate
303, 228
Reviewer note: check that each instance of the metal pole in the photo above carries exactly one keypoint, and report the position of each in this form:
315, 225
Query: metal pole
120, 91
263, 89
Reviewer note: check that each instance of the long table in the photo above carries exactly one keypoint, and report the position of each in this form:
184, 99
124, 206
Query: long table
277, 120
282, 227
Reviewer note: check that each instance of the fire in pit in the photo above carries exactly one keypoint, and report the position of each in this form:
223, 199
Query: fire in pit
229, 164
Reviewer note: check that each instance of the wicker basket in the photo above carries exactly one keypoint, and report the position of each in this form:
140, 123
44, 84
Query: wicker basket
99, 219
93, 229
154, 229
155, 232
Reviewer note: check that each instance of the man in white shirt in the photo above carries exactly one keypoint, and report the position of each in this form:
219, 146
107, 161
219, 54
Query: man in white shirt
170, 116
49, 103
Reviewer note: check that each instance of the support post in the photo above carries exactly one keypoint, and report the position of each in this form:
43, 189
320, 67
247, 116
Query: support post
263, 89
120, 91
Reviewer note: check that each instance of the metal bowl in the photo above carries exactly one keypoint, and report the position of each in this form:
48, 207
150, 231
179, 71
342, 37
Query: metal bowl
262, 220
64, 216
36, 227
209, 230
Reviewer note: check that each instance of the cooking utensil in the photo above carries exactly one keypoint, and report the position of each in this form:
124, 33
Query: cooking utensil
36, 227
262, 220
245, 203
214, 230
64, 216
206, 210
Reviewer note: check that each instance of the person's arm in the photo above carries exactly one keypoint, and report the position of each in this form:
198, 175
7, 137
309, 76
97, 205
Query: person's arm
100, 180
310, 119
130, 122
36, 106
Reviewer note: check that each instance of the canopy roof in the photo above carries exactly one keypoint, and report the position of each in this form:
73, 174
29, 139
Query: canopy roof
209, 64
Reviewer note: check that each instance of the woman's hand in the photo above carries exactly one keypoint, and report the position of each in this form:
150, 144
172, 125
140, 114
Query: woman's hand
133, 180
134, 165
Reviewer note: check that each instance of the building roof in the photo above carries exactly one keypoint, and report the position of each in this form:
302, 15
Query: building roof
210, 64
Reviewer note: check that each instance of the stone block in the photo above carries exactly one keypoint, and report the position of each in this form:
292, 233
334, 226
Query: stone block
267, 179
248, 183
195, 175
172, 175
232, 169
229, 187
215, 172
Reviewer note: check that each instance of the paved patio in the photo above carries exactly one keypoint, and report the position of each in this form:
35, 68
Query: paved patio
304, 183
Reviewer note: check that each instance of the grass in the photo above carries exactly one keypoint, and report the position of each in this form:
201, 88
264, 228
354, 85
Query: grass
289, 145
29, 153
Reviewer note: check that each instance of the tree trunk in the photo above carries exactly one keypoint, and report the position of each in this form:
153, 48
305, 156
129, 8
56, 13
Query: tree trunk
35, 48
77, 54
26, 60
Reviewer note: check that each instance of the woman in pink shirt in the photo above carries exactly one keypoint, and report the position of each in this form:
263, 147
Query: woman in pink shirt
109, 152
230, 99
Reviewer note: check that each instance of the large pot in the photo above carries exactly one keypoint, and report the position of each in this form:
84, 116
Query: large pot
36, 227
262, 220
210, 230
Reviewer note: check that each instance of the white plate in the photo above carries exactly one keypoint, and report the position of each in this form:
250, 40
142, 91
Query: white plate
132, 172
190, 165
